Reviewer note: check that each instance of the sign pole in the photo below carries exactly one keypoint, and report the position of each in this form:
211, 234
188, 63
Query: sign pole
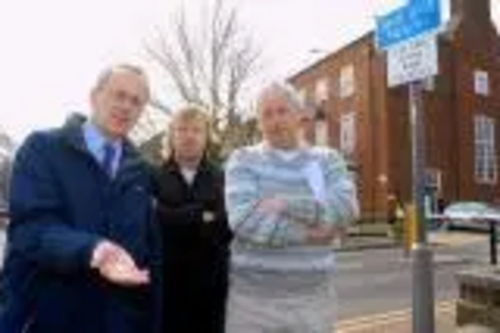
409, 35
423, 280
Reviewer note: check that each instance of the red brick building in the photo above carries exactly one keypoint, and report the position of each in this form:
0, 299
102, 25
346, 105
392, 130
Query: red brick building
369, 122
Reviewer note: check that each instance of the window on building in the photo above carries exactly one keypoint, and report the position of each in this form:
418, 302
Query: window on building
348, 133
433, 180
429, 83
481, 83
433, 191
346, 82
485, 160
302, 94
321, 133
321, 91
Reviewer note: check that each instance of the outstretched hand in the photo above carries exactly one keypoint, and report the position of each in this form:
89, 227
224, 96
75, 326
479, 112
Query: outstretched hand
117, 266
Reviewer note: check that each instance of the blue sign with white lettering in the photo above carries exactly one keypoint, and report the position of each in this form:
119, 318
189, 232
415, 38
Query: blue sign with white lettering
409, 21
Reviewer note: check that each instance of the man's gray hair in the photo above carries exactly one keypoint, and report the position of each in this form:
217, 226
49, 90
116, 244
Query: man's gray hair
105, 75
285, 91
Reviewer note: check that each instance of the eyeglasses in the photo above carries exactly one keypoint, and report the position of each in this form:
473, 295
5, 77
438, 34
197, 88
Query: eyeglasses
122, 96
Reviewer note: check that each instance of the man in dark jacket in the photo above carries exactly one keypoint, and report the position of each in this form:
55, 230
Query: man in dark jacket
195, 231
82, 253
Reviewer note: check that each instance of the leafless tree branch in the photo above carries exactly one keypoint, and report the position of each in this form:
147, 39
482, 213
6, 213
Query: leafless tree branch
209, 62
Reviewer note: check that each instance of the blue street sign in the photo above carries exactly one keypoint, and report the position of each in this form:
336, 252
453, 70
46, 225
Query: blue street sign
409, 21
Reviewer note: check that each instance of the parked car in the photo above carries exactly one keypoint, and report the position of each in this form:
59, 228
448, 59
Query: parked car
469, 215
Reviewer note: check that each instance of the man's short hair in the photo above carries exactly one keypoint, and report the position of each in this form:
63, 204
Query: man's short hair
285, 91
107, 73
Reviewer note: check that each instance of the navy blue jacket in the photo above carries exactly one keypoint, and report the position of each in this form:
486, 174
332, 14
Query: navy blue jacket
62, 203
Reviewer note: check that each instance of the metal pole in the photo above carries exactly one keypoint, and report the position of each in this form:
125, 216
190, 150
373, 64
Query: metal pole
493, 243
423, 279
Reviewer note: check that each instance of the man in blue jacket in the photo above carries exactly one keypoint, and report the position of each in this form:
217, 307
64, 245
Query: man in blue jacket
82, 252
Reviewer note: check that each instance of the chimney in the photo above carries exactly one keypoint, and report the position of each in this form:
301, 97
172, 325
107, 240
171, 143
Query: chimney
471, 22
477, 11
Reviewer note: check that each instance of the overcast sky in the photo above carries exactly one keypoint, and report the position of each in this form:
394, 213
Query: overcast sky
53, 49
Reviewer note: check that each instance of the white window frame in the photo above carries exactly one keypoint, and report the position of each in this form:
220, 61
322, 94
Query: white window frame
347, 82
433, 178
485, 158
348, 133
321, 90
481, 83
321, 137
302, 94
429, 83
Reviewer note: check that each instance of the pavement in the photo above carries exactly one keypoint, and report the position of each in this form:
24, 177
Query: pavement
448, 250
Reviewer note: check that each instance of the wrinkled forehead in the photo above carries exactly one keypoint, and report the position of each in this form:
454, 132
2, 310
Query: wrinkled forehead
127, 80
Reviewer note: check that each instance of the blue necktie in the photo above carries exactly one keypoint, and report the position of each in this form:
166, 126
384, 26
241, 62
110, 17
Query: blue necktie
108, 159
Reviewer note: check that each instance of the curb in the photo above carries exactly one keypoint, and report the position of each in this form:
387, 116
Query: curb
387, 244
367, 246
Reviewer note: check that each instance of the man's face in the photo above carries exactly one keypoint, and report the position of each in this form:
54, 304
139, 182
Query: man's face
119, 102
189, 139
279, 124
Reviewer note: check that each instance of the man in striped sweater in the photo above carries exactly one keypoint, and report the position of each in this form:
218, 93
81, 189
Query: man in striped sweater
286, 202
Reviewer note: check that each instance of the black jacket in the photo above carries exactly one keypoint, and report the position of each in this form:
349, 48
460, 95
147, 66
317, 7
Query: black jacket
195, 248
185, 211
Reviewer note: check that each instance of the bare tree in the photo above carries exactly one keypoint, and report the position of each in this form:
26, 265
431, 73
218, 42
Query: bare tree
149, 131
5, 171
153, 121
209, 62
7, 147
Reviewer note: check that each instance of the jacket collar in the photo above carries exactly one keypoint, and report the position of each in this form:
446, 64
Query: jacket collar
72, 134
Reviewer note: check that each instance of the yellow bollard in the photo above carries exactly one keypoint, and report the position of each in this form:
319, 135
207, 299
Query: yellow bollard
410, 226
